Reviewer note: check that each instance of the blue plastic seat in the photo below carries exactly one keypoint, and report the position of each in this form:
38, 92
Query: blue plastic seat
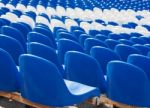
66, 36
56, 29
50, 88
105, 32
22, 28
94, 32
82, 38
125, 35
77, 33
125, 50
111, 43
135, 34
9, 78
138, 40
65, 45
140, 61
126, 42
103, 56
128, 84
14, 33
40, 38
84, 69
46, 52
145, 38
101, 37
90, 42
115, 36
12, 46
47, 33
73, 28
143, 49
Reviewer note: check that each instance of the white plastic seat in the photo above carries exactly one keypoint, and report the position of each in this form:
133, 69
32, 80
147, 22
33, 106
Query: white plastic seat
42, 20
69, 23
50, 11
60, 11
31, 8
10, 16
10, 6
21, 7
40, 9
56, 23
28, 20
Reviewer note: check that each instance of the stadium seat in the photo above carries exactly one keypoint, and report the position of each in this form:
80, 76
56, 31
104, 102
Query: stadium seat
40, 38
84, 69
125, 50
141, 62
12, 46
65, 45
46, 52
90, 42
51, 84
103, 56
123, 89
9, 81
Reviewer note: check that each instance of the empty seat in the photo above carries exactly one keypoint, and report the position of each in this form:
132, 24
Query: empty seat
140, 61
14, 33
111, 43
12, 46
115, 36
138, 40
65, 45
103, 56
101, 37
90, 42
82, 38
126, 42
143, 49
40, 38
9, 78
46, 33
23, 29
85, 69
66, 36
128, 84
46, 88
46, 52
125, 50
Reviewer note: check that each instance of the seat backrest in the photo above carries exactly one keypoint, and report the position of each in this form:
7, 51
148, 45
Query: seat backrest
12, 46
126, 42
111, 43
143, 49
66, 36
46, 52
137, 40
42, 83
101, 37
140, 61
103, 56
23, 29
65, 45
90, 42
128, 84
125, 50
84, 69
9, 76
14, 33
40, 38
46, 33
82, 38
